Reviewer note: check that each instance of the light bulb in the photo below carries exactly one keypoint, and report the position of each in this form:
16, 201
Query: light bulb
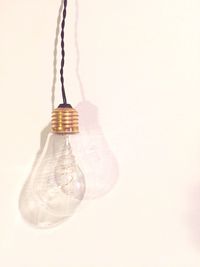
57, 185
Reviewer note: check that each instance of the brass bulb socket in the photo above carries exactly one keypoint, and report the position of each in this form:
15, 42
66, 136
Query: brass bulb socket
64, 121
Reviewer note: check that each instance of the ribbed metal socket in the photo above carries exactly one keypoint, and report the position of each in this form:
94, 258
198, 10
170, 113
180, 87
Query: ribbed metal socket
64, 121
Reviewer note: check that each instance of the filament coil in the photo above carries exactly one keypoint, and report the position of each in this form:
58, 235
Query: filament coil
64, 121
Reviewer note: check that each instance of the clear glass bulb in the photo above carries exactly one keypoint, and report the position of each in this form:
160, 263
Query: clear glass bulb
56, 185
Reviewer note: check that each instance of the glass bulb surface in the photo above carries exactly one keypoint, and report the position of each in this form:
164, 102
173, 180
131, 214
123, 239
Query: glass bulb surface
56, 183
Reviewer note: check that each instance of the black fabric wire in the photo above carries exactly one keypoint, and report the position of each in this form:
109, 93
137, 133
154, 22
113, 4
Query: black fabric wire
63, 52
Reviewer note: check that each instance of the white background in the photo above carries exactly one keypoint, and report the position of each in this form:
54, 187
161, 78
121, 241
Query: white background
140, 66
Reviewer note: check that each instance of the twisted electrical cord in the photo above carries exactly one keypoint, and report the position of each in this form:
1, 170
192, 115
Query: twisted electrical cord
63, 52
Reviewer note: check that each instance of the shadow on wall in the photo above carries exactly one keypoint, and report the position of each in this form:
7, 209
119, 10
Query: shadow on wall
90, 147
97, 162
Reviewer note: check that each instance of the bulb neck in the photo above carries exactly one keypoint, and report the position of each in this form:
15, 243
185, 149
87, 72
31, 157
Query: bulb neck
64, 120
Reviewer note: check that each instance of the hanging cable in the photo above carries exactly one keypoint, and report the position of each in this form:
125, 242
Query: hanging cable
63, 52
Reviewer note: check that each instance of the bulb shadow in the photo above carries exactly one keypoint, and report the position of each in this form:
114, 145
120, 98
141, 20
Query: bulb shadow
94, 156
76, 43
